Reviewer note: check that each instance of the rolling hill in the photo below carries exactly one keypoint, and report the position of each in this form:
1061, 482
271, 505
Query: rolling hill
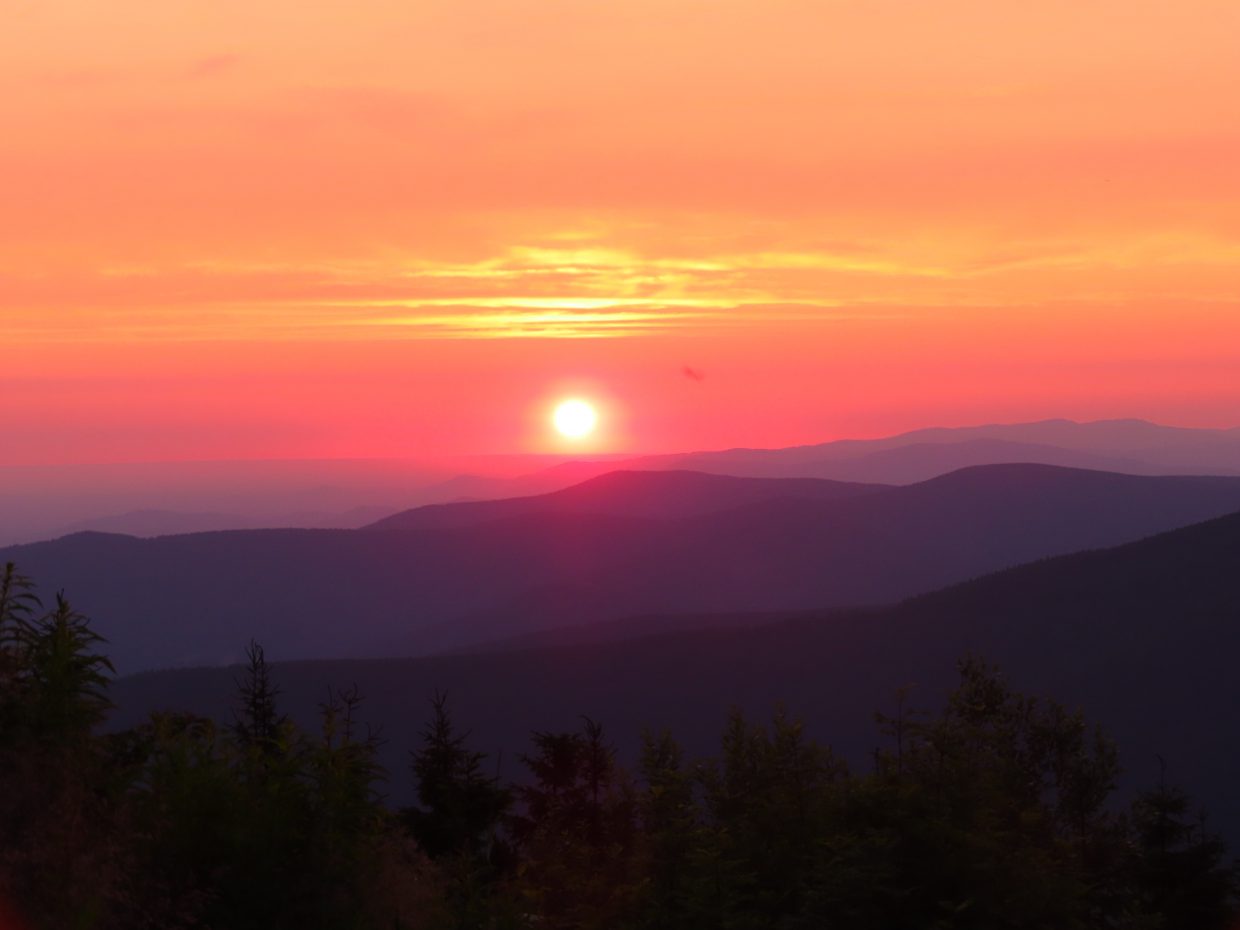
197, 599
1129, 446
148, 499
1142, 636
665, 495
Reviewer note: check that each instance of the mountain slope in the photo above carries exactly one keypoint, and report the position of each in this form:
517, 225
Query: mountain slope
1132, 446
34, 502
1143, 637
199, 598
660, 495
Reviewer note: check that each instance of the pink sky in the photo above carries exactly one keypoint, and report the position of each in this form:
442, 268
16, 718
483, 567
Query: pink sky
241, 230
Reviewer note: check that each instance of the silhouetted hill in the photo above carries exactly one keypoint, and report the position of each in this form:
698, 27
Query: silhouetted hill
1131, 446
1143, 637
924, 460
199, 598
148, 498
38, 503
476, 487
662, 495
174, 522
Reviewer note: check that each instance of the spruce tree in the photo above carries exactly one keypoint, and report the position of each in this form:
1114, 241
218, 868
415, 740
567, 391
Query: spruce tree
1179, 868
459, 805
257, 724
577, 833
64, 680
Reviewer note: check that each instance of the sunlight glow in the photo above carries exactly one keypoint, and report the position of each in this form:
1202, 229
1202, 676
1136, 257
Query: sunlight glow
575, 419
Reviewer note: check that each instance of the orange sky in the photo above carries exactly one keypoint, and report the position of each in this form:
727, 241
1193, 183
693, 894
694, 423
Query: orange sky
383, 227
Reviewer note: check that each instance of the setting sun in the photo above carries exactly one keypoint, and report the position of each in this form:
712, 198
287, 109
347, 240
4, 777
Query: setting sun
575, 419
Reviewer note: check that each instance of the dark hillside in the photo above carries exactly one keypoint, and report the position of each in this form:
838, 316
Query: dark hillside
197, 599
661, 494
1143, 636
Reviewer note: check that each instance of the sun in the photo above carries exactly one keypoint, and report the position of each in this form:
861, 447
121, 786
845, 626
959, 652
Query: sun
575, 419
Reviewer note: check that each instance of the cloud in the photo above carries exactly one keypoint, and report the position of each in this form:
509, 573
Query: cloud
693, 374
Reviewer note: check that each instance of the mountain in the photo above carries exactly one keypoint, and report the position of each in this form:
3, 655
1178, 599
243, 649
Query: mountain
198, 599
173, 522
1135, 447
43, 502
475, 487
1143, 637
921, 461
40, 502
1130, 446
654, 495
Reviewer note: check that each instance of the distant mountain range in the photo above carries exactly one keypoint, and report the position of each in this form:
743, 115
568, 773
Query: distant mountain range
1143, 637
156, 498
446, 577
159, 499
1135, 447
665, 495
174, 522
1130, 446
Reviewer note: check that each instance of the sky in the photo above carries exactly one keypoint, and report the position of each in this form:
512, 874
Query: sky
275, 229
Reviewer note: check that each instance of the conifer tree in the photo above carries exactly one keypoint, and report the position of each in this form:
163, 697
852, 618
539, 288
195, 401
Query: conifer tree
64, 681
18, 603
459, 804
671, 822
770, 797
56, 811
577, 833
345, 813
998, 807
1179, 868
258, 724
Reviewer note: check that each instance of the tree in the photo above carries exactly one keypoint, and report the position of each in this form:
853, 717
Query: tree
18, 603
346, 818
577, 833
1179, 869
771, 799
344, 767
258, 726
65, 681
455, 822
997, 808
56, 811
459, 805
673, 829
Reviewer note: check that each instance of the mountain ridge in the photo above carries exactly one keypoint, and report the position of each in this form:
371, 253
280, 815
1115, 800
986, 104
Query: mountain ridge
1141, 636
183, 600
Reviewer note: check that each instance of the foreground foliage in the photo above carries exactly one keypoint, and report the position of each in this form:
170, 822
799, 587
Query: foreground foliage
997, 812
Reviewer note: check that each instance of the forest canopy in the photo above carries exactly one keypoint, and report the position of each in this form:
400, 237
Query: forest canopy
996, 810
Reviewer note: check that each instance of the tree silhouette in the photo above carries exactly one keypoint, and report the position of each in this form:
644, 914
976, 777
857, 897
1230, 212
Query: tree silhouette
577, 834
672, 825
65, 679
18, 603
457, 818
258, 725
993, 813
459, 805
1179, 867
57, 814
